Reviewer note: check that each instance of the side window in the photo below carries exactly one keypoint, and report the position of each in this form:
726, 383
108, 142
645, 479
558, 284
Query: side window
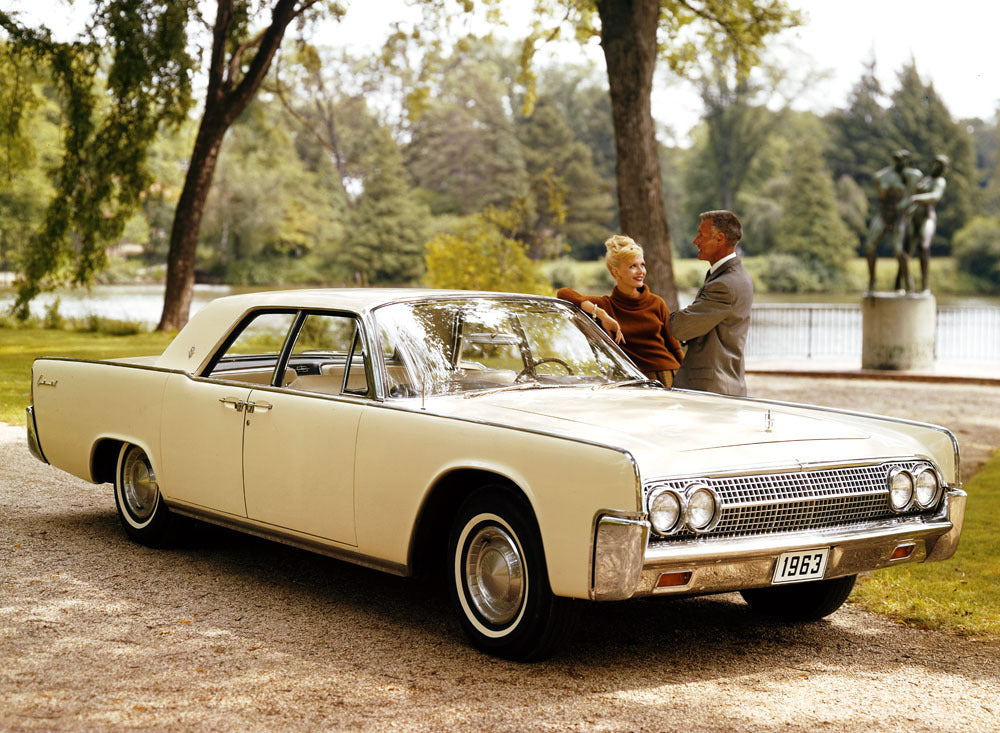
253, 355
328, 356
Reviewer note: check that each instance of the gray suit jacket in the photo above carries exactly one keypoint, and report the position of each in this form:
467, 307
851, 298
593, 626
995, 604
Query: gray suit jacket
715, 328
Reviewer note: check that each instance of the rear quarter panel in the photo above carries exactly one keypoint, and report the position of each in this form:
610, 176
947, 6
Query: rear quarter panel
77, 403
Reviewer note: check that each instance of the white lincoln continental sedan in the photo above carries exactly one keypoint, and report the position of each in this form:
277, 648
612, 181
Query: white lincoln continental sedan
503, 440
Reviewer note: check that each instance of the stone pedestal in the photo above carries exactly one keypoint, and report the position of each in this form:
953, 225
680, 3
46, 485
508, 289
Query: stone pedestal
898, 331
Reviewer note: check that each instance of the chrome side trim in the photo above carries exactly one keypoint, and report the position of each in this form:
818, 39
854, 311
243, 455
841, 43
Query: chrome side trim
619, 547
33, 443
317, 545
109, 362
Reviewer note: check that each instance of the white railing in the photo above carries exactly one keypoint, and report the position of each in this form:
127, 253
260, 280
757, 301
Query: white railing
835, 331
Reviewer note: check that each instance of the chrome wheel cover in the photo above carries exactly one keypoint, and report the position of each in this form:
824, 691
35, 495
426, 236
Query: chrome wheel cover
494, 575
139, 489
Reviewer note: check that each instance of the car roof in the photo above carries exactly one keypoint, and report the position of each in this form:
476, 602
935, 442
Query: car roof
195, 342
354, 299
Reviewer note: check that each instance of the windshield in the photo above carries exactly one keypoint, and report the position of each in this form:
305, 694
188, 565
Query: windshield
470, 345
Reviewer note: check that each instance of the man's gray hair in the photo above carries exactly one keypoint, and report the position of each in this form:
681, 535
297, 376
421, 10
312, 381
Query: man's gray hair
726, 222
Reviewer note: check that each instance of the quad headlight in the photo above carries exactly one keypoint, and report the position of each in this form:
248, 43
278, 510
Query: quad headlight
927, 486
665, 511
702, 507
901, 486
696, 507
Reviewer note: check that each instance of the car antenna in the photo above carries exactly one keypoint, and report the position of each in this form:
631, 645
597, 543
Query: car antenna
423, 393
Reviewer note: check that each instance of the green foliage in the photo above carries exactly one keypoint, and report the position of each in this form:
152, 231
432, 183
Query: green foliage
109, 123
267, 212
28, 138
587, 277
977, 251
811, 230
737, 128
852, 205
786, 273
991, 194
53, 319
464, 151
390, 224
961, 594
572, 207
677, 197
481, 254
584, 104
859, 134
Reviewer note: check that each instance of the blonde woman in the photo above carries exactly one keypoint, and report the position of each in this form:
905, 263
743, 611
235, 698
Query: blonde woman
635, 318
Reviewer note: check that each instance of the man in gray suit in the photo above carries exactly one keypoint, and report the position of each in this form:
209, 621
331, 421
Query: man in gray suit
715, 325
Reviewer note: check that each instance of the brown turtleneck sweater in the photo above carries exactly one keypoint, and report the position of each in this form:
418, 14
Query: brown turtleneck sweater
644, 321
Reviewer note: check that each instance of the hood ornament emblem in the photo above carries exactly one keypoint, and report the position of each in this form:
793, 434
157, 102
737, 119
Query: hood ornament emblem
768, 422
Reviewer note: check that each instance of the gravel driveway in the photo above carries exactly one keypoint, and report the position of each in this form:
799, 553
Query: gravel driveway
227, 632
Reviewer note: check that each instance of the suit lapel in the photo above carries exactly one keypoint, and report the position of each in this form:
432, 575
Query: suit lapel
725, 267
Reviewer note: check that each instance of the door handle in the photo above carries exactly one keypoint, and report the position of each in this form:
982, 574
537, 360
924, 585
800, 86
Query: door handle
251, 406
238, 405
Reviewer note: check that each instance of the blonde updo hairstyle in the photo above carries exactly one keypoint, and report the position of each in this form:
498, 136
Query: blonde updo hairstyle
622, 251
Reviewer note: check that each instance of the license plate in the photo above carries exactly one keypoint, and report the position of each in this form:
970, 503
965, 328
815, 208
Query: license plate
795, 567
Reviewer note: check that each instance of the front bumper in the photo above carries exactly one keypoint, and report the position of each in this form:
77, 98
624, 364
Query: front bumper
626, 565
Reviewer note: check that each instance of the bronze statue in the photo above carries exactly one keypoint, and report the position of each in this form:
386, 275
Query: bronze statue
894, 185
921, 223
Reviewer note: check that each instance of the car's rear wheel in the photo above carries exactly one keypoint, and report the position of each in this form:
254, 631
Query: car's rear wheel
144, 516
499, 581
801, 601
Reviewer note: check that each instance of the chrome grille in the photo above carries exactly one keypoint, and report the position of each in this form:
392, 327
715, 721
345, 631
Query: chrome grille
791, 501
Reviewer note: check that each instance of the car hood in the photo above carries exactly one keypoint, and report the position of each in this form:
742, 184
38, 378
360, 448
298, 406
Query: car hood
679, 432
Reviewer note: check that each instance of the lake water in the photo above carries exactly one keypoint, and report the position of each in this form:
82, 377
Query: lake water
140, 303
800, 327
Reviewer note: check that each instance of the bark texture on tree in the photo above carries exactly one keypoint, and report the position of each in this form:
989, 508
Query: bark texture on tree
225, 99
628, 37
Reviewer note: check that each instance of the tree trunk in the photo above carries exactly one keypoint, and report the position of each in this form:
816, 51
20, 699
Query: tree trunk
187, 223
628, 36
225, 100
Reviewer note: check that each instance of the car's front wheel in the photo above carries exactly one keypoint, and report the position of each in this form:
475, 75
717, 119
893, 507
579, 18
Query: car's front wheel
499, 582
141, 510
801, 601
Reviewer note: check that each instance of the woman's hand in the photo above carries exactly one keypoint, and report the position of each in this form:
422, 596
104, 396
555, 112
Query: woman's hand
610, 325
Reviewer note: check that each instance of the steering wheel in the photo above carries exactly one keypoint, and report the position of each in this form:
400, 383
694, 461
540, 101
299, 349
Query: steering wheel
531, 367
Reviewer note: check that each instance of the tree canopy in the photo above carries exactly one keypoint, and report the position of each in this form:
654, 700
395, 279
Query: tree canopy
366, 169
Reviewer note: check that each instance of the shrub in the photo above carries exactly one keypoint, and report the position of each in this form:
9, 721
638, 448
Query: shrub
480, 255
976, 248
109, 326
53, 319
785, 273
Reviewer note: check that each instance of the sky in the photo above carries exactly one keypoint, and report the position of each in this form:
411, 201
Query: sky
953, 43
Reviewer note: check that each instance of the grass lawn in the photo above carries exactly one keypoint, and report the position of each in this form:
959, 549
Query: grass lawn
961, 594
20, 346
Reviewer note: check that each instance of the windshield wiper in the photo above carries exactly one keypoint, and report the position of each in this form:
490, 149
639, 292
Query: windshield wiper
511, 388
630, 383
